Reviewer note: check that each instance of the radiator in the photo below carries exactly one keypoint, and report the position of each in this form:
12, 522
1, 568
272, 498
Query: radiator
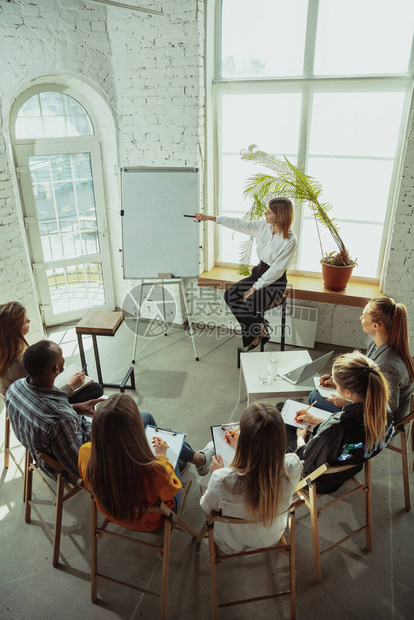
300, 325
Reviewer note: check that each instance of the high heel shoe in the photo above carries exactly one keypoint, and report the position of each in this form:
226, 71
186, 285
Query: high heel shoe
249, 347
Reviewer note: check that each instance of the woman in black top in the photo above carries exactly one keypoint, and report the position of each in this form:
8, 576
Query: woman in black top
357, 432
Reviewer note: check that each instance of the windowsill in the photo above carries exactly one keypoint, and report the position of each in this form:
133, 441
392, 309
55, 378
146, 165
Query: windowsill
356, 294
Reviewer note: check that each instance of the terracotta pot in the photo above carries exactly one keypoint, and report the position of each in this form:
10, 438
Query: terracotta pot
334, 277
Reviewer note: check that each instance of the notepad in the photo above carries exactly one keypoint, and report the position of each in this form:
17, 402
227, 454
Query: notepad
64, 377
292, 406
173, 439
324, 391
221, 446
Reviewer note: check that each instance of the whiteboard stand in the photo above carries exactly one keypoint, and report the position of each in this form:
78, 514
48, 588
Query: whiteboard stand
162, 282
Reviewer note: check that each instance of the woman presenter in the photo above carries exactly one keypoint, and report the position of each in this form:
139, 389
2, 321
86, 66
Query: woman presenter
276, 246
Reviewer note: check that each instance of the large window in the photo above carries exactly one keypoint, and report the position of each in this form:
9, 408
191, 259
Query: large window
328, 84
59, 166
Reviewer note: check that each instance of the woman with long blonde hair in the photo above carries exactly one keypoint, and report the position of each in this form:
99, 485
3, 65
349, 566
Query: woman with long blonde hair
258, 484
120, 469
357, 432
386, 321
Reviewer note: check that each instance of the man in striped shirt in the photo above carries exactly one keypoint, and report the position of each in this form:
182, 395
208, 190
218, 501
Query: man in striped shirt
40, 414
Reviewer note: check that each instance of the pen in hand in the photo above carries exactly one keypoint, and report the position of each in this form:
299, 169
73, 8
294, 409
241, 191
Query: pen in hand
297, 417
84, 369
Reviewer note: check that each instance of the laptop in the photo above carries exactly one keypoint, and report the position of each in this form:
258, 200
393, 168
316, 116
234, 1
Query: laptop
297, 375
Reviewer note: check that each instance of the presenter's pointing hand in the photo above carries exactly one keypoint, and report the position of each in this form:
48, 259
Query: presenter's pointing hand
202, 217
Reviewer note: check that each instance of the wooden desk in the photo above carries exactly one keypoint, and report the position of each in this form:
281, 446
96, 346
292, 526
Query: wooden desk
97, 323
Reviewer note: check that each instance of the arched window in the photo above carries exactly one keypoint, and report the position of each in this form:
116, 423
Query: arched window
59, 169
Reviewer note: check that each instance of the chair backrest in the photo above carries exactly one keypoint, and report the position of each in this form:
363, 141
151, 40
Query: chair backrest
58, 467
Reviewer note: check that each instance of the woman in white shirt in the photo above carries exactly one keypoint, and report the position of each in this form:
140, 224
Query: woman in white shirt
258, 484
276, 245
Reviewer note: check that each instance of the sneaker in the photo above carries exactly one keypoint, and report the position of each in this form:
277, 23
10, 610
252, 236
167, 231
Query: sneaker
208, 452
182, 465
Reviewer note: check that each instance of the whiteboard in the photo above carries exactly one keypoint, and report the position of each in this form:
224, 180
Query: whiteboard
156, 238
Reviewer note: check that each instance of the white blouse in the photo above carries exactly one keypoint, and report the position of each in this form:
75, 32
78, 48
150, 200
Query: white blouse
220, 495
272, 249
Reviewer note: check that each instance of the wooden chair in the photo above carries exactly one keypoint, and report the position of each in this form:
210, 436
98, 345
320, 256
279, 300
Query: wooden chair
306, 491
7, 450
172, 520
275, 304
66, 487
402, 428
216, 558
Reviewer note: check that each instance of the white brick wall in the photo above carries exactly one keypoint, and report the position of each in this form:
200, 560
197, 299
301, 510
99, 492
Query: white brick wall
148, 71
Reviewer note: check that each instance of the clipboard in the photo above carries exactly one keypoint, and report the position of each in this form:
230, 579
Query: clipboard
66, 374
221, 446
292, 406
174, 440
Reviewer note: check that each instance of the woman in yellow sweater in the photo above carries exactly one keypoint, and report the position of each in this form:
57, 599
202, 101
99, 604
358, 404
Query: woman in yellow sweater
120, 469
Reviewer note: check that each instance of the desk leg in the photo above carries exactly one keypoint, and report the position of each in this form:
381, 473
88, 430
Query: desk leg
97, 361
81, 350
242, 387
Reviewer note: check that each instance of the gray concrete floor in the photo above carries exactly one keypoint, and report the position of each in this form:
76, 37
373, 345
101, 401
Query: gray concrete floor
191, 396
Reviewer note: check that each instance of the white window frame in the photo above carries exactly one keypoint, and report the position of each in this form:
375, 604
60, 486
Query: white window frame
24, 148
308, 85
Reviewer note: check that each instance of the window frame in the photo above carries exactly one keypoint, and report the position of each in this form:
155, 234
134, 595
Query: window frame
308, 85
22, 149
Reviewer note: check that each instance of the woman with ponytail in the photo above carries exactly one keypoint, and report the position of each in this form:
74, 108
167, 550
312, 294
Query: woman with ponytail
386, 321
357, 432
258, 484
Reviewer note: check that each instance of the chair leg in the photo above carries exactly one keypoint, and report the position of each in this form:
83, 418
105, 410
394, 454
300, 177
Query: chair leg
165, 563
315, 533
368, 505
282, 337
406, 480
292, 566
28, 485
94, 552
58, 519
6, 441
213, 576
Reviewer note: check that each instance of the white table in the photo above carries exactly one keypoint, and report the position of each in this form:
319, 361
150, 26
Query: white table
250, 386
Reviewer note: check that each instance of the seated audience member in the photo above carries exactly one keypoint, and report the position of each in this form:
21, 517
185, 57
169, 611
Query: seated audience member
14, 327
387, 323
120, 469
356, 433
42, 418
257, 485
44, 421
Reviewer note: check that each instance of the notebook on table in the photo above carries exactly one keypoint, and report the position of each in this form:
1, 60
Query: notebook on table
222, 448
173, 439
67, 373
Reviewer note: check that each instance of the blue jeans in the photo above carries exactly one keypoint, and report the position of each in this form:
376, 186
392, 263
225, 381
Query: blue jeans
321, 402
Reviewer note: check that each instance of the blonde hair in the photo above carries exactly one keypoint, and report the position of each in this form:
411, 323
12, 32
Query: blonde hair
359, 374
283, 209
12, 342
259, 458
120, 459
393, 317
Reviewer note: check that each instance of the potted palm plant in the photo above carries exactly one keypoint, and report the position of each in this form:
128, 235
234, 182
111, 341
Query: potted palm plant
285, 179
